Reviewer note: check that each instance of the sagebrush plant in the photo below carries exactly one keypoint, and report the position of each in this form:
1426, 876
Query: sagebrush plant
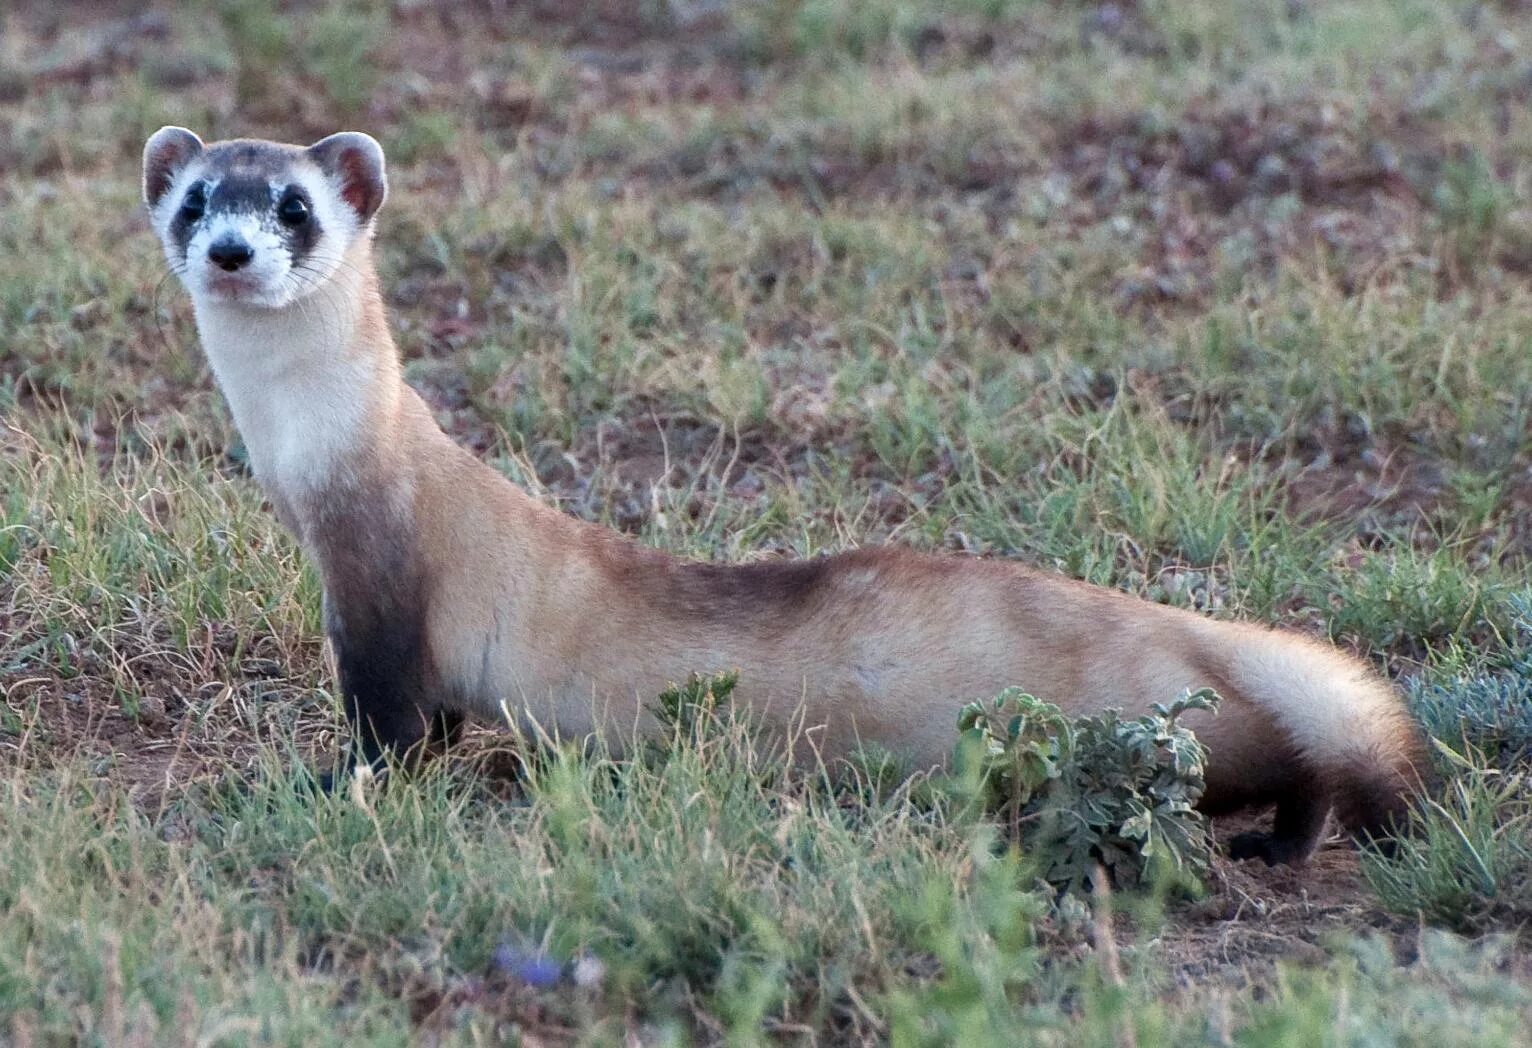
1487, 709
1092, 791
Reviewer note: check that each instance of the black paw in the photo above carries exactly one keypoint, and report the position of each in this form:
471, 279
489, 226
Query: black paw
1269, 848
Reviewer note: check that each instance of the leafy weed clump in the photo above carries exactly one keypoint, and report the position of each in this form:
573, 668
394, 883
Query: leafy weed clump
1097, 789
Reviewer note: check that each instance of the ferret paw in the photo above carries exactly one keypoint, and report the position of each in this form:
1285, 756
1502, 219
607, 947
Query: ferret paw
1270, 849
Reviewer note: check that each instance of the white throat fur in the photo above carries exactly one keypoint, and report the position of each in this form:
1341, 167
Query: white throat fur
298, 384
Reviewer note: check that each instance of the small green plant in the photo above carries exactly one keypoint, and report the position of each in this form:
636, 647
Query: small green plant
689, 712
1400, 596
873, 773
1473, 203
1077, 791
10, 720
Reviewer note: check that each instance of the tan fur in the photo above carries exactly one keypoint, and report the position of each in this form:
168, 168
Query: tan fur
559, 619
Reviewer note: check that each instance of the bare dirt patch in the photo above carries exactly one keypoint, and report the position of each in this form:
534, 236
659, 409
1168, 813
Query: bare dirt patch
176, 726
1247, 186
1259, 916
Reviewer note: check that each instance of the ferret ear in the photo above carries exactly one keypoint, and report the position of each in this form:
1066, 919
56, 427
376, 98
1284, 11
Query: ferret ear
168, 151
355, 162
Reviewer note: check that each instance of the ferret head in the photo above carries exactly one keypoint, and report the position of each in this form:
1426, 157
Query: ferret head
260, 223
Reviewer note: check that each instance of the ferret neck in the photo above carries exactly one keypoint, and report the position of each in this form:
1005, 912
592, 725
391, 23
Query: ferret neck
312, 387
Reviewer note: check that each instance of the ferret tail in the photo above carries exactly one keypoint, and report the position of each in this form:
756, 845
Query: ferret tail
1363, 752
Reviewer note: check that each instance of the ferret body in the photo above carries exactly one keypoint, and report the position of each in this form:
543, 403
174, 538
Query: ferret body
450, 592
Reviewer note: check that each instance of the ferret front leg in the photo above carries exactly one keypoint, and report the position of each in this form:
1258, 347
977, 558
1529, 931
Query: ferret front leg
379, 661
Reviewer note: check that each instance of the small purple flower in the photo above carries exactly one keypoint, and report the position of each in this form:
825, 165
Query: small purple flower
530, 966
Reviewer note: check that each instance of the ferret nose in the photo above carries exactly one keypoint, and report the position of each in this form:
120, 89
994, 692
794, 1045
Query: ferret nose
229, 254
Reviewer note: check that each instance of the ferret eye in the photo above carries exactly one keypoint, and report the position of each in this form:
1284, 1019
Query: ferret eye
293, 211
194, 204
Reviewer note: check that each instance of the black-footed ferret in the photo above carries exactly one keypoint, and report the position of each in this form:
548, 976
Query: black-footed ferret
449, 591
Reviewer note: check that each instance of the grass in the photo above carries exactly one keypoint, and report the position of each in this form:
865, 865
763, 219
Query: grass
1470, 864
1222, 307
